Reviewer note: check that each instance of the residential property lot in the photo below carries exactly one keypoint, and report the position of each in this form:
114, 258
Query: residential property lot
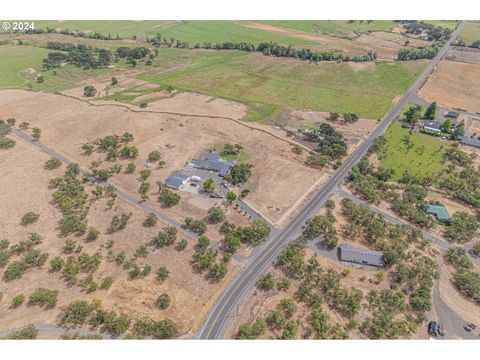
56, 115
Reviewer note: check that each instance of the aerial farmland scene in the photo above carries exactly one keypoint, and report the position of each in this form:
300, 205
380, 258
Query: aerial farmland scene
240, 179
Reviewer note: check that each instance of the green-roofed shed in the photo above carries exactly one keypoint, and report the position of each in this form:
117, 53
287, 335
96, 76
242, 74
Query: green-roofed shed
439, 212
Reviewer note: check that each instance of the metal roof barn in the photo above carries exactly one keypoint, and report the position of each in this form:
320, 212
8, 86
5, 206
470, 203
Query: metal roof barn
361, 256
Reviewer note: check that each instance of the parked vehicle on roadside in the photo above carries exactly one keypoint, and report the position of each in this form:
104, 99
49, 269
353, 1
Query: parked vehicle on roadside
441, 330
470, 327
433, 328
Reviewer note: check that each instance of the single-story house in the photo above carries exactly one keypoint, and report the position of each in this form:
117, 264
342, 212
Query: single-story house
361, 256
214, 162
176, 180
433, 126
439, 212
436, 125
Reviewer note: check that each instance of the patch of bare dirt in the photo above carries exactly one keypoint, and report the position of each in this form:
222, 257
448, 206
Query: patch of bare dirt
361, 66
463, 54
399, 39
191, 103
151, 96
105, 88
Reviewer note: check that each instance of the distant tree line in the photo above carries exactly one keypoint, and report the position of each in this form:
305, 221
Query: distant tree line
93, 35
266, 48
274, 49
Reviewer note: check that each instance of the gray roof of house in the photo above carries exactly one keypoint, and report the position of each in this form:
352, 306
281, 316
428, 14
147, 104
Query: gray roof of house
432, 125
361, 256
214, 162
439, 211
437, 124
176, 180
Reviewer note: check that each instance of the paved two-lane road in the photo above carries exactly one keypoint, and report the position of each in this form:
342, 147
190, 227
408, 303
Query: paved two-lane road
242, 286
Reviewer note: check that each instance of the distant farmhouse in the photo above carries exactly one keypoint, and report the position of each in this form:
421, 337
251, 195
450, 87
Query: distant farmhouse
361, 256
214, 162
435, 126
177, 180
439, 212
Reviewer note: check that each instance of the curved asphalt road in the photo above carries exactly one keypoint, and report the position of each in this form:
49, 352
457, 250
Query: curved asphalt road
217, 319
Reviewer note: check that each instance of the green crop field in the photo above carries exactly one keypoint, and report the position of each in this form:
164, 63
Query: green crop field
190, 31
124, 28
339, 28
471, 32
18, 64
269, 85
420, 155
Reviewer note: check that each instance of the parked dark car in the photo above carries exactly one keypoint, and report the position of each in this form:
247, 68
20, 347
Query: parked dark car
433, 328
470, 327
